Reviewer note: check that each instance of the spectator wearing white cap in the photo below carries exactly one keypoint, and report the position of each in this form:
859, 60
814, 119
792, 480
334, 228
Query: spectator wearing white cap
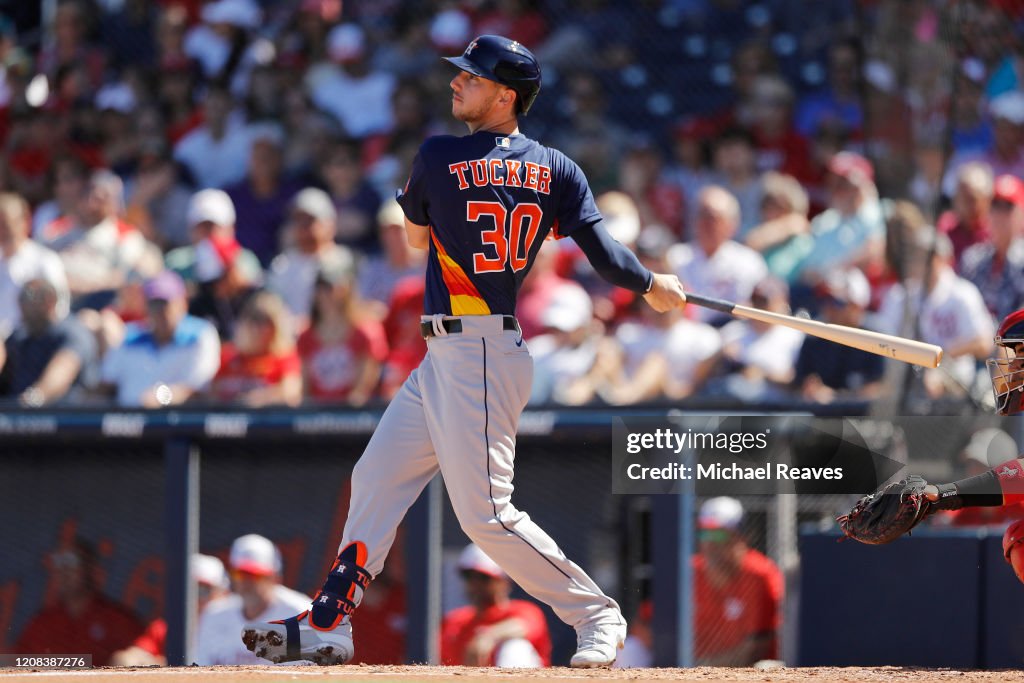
216, 153
737, 591
150, 648
349, 89
950, 313
309, 232
825, 371
255, 569
165, 360
1006, 153
379, 274
493, 629
572, 358
262, 199
210, 216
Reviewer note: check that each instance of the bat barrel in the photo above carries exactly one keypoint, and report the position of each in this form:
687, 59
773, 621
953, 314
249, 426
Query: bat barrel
890, 346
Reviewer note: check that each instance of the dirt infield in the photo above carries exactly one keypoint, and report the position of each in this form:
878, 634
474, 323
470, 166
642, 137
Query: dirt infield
433, 674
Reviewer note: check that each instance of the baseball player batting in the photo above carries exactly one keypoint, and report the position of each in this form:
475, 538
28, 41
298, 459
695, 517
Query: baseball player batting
482, 205
887, 514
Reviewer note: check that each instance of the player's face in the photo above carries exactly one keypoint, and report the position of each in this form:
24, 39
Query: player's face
473, 97
1007, 372
483, 590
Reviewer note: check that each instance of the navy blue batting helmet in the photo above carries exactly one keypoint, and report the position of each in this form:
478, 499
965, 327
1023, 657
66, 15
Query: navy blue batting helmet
504, 61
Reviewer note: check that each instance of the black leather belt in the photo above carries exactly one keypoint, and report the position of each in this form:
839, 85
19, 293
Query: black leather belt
454, 326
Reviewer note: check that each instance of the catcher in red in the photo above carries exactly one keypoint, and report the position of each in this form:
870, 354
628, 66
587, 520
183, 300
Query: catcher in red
894, 510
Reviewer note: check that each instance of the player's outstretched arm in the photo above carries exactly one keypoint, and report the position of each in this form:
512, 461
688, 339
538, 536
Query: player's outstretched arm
1001, 485
666, 293
620, 266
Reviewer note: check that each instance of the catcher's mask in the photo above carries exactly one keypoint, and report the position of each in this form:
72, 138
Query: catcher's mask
1007, 368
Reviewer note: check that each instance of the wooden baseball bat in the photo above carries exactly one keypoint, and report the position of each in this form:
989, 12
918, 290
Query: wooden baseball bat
899, 348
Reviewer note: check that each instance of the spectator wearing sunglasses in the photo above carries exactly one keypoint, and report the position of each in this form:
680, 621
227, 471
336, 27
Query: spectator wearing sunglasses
493, 629
260, 366
165, 360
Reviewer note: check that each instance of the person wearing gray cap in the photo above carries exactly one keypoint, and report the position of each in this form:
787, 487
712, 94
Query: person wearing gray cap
310, 233
164, 362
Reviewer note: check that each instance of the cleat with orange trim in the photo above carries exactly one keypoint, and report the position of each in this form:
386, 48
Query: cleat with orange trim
323, 633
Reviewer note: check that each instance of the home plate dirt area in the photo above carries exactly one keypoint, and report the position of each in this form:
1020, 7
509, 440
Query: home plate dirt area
434, 674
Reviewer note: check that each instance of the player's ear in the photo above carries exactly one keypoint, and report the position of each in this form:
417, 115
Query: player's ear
509, 96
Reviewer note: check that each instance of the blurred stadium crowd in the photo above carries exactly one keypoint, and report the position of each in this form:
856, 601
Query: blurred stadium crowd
196, 196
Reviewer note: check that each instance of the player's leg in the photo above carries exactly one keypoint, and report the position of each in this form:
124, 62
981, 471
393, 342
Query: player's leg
397, 464
473, 415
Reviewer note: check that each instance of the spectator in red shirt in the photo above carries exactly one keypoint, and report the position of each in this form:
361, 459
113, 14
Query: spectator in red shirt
967, 223
79, 619
260, 366
779, 146
406, 346
737, 590
343, 349
150, 648
493, 630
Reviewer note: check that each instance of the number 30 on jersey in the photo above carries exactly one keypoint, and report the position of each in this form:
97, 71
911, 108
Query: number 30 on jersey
509, 237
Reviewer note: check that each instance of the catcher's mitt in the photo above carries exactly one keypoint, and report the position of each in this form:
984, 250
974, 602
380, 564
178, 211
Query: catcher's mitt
885, 515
